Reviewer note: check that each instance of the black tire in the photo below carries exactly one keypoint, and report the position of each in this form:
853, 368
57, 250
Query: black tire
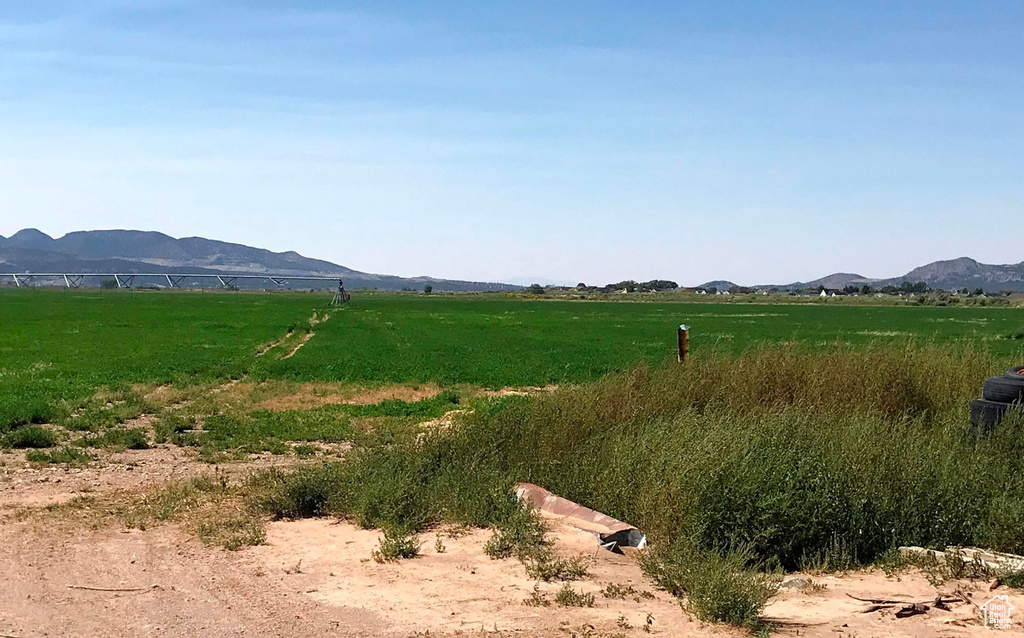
1016, 372
986, 415
1004, 389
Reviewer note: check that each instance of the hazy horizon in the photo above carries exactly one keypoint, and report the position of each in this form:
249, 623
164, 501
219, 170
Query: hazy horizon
752, 142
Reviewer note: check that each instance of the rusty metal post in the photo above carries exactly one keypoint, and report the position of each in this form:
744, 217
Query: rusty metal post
683, 345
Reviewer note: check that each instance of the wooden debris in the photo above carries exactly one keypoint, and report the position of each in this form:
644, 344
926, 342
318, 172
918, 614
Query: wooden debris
117, 589
965, 596
886, 601
909, 608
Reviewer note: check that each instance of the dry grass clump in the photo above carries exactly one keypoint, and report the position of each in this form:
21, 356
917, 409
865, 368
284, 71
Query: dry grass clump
221, 513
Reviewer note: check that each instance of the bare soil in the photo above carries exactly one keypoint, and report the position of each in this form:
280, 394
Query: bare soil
305, 396
317, 578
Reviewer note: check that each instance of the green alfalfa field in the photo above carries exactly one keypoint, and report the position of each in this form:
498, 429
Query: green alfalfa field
814, 435
58, 347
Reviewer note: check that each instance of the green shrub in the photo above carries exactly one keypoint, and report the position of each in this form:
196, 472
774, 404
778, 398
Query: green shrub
1013, 579
519, 535
544, 564
717, 588
29, 436
569, 597
66, 455
396, 545
120, 439
305, 492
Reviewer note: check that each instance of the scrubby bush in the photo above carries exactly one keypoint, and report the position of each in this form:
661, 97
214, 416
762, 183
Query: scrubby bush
29, 436
731, 587
396, 545
67, 455
569, 597
119, 438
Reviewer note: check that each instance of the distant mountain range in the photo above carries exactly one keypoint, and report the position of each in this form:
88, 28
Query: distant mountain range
952, 274
134, 251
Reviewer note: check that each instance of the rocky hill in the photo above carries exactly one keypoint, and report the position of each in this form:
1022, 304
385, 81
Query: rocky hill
952, 274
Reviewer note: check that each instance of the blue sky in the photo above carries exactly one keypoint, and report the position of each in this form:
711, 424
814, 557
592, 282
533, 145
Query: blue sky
572, 141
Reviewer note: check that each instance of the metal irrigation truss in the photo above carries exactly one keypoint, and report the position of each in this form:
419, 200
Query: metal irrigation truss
125, 280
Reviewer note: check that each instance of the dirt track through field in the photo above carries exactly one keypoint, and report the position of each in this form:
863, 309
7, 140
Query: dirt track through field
303, 341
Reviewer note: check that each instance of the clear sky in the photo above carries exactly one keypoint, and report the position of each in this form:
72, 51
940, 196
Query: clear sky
762, 142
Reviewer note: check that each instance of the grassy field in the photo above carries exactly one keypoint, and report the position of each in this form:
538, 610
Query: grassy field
514, 342
57, 348
803, 436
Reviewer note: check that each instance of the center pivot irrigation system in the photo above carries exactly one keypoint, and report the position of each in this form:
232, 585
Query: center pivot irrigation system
174, 280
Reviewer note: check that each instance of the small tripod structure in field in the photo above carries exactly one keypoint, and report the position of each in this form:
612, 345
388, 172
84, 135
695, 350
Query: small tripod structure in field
341, 297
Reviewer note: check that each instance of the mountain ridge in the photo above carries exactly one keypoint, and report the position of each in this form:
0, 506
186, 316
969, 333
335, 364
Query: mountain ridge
953, 273
135, 251
944, 274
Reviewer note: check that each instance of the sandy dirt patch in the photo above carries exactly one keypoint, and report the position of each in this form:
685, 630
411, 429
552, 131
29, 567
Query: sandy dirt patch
23, 484
200, 591
521, 391
317, 578
460, 589
305, 396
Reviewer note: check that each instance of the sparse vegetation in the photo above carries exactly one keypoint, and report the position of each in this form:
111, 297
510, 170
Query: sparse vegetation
63, 455
718, 587
569, 597
396, 545
543, 564
119, 439
618, 590
222, 513
232, 531
537, 598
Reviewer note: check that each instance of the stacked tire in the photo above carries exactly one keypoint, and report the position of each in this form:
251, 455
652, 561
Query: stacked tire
1001, 395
